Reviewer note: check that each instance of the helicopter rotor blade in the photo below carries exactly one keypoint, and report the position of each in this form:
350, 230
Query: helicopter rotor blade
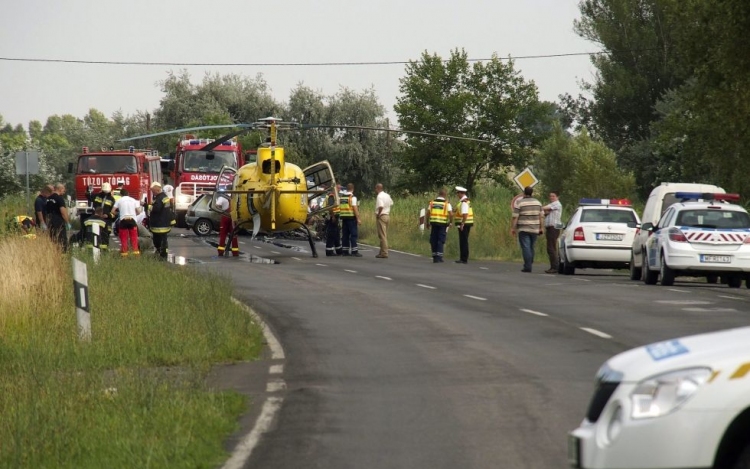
401, 131
224, 138
187, 129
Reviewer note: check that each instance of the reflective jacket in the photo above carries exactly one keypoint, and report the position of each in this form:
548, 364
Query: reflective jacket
106, 201
439, 211
161, 218
458, 218
345, 209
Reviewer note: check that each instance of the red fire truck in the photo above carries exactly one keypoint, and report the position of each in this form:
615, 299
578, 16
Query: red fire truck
130, 169
192, 171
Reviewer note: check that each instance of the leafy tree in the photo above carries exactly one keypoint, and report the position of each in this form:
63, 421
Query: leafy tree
487, 100
578, 166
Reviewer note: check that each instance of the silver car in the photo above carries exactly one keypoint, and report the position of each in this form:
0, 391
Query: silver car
202, 219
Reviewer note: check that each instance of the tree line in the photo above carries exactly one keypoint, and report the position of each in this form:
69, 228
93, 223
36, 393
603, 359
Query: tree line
669, 102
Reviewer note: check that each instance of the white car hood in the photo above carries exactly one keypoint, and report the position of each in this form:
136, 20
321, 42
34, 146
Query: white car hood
709, 350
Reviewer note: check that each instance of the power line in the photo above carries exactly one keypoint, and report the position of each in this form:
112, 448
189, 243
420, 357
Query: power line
290, 64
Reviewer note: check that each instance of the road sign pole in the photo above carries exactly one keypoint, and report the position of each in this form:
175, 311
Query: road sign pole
81, 294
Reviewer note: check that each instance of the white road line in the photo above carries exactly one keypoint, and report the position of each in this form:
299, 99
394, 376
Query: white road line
275, 252
731, 297
476, 297
322, 265
296, 258
531, 311
601, 334
581, 279
684, 302
275, 385
384, 278
257, 247
277, 352
552, 284
426, 286
276, 369
710, 310
678, 290
242, 242
243, 450
484, 268
350, 271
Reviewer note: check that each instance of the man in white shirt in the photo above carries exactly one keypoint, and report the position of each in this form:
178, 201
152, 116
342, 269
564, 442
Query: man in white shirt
127, 209
383, 204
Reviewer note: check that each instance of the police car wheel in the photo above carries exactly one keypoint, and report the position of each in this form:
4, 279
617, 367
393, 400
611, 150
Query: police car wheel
202, 227
650, 277
734, 281
635, 272
666, 275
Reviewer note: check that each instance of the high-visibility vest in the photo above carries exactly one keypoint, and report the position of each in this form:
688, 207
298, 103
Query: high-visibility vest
103, 232
439, 211
346, 210
458, 217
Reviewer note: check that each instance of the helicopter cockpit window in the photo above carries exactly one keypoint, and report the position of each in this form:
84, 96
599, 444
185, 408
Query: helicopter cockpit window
199, 161
267, 166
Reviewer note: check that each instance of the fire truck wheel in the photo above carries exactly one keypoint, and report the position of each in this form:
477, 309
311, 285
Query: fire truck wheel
202, 227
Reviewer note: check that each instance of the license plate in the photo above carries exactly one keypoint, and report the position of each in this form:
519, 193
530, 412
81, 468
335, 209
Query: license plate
574, 451
716, 259
609, 236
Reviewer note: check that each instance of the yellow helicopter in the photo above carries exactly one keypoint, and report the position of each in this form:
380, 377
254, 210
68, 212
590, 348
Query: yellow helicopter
271, 195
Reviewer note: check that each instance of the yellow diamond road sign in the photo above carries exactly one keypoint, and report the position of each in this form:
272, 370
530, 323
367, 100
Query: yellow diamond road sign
526, 179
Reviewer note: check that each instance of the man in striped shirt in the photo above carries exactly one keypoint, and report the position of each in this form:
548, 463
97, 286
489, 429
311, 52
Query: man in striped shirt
528, 222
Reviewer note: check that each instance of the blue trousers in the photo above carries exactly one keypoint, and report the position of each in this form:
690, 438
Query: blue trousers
437, 240
349, 234
527, 242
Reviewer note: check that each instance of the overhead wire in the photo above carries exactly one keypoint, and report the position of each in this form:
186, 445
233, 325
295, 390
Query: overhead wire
277, 64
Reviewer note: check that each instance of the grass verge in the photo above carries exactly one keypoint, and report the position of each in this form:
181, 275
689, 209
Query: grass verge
136, 394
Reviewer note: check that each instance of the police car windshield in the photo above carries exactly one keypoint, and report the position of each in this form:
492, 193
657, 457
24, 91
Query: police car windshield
196, 161
605, 215
713, 218
107, 164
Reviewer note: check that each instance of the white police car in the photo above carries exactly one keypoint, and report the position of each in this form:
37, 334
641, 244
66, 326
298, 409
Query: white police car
679, 403
701, 236
598, 235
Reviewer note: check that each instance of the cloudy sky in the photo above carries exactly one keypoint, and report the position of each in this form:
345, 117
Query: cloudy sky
262, 34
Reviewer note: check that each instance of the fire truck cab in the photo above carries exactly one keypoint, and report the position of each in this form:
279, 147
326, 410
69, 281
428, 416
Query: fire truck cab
130, 169
193, 171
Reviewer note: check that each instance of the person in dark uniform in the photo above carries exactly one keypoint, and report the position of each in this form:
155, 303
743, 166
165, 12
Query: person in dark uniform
105, 200
440, 215
88, 228
58, 220
161, 219
333, 226
40, 204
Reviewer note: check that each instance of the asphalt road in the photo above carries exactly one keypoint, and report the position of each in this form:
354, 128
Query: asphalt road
402, 363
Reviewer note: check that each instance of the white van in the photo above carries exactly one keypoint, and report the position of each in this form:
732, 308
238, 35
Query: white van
661, 198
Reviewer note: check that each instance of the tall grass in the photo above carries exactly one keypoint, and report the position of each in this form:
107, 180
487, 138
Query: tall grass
136, 394
490, 237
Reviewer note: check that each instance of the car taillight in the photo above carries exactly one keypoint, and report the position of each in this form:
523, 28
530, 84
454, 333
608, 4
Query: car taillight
578, 234
677, 235
747, 240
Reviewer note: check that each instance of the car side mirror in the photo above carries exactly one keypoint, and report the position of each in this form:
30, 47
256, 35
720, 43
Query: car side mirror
632, 224
648, 226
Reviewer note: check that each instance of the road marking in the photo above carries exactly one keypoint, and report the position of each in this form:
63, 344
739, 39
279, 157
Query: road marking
581, 279
257, 247
731, 297
384, 278
426, 286
296, 258
531, 311
243, 450
476, 297
596, 333
276, 369
350, 271
322, 265
684, 302
275, 252
277, 352
678, 290
484, 268
275, 385
709, 310
552, 284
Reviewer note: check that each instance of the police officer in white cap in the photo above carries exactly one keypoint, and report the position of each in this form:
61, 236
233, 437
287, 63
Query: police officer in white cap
464, 219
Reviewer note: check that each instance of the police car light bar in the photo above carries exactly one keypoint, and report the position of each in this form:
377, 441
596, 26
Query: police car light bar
621, 202
708, 196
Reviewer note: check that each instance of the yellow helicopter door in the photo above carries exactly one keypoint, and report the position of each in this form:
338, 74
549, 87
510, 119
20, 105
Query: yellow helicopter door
220, 200
321, 184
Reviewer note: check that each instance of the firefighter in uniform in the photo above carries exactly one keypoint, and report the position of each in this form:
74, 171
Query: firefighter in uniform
440, 215
105, 200
333, 228
464, 218
226, 228
99, 220
160, 219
